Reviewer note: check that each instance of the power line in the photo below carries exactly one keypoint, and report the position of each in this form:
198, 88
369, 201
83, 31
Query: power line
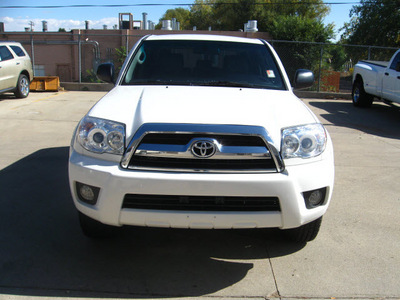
172, 4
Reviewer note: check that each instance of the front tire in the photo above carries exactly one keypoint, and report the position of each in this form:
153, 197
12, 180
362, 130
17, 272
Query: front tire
359, 96
22, 88
305, 233
94, 229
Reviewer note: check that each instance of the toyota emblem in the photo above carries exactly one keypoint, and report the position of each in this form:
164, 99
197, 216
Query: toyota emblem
203, 148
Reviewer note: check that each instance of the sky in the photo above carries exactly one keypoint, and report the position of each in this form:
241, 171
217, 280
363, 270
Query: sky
16, 19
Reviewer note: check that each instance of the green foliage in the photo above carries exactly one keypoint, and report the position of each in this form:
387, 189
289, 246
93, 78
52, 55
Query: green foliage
296, 28
374, 22
182, 15
121, 55
202, 14
90, 77
314, 9
232, 15
337, 57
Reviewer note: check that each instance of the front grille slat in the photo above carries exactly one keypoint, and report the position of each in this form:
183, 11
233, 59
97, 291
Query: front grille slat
201, 164
185, 138
247, 158
200, 203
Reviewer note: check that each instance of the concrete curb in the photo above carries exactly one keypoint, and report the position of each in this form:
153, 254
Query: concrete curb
323, 95
87, 86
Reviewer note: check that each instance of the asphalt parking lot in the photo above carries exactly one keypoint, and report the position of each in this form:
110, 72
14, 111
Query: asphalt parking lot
44, 255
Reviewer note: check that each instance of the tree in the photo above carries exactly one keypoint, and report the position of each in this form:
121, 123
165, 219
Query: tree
295, 28
313, 9
271, 15
233, 15
202, 14
121, 56
296, 13
298, 28
374, 22
181, 15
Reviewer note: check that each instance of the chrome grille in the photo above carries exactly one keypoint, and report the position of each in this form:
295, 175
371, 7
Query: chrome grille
185, 138
170, 147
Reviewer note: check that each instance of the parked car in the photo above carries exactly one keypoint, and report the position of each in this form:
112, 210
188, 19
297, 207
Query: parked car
15, 69
201, 131
376, 79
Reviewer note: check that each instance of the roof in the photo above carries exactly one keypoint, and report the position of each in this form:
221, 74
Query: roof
9, 43
203, 37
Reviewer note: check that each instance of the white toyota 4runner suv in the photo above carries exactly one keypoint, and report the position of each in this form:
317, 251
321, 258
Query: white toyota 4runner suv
201, 131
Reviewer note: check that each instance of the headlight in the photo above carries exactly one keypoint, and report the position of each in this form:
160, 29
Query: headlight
98, 135
303, 141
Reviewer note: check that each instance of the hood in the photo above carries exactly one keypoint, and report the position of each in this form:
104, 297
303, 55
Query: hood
136, 105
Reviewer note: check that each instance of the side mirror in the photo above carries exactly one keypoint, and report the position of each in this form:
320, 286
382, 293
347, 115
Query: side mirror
106, 72
303, 79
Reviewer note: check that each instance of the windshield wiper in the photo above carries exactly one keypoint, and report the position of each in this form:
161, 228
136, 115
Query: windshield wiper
228, 84
223, 83
158, 82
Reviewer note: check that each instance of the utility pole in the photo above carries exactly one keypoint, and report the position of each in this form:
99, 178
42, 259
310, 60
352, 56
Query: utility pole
31, 24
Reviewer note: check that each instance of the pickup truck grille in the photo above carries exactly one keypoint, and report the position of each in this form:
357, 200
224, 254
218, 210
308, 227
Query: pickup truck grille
200, 203
201, 148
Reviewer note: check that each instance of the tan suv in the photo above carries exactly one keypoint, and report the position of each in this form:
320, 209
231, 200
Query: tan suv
15, 69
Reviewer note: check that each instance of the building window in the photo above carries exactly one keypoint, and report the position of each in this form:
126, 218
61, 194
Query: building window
39, 70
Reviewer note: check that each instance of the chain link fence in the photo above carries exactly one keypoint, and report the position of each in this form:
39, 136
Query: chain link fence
332, 64
74, 56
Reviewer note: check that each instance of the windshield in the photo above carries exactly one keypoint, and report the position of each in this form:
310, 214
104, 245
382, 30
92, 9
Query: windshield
208, 63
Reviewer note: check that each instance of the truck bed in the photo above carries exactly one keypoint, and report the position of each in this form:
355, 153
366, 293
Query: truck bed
383, 64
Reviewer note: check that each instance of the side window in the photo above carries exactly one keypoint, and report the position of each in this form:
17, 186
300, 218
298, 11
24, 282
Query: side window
395, 61
18, 51
5, 54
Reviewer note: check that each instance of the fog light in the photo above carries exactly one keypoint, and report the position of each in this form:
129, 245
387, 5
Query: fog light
87, 193
314, 198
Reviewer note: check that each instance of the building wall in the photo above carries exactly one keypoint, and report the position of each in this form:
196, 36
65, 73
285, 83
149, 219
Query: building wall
57, 53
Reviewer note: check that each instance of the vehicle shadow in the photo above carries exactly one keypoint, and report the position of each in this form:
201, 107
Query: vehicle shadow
44, 253
7, 96
380, 120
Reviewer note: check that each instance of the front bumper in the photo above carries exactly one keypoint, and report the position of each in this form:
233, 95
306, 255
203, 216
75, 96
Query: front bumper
115, 182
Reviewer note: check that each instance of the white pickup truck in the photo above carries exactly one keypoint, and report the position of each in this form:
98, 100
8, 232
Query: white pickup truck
201, 132
376, 79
